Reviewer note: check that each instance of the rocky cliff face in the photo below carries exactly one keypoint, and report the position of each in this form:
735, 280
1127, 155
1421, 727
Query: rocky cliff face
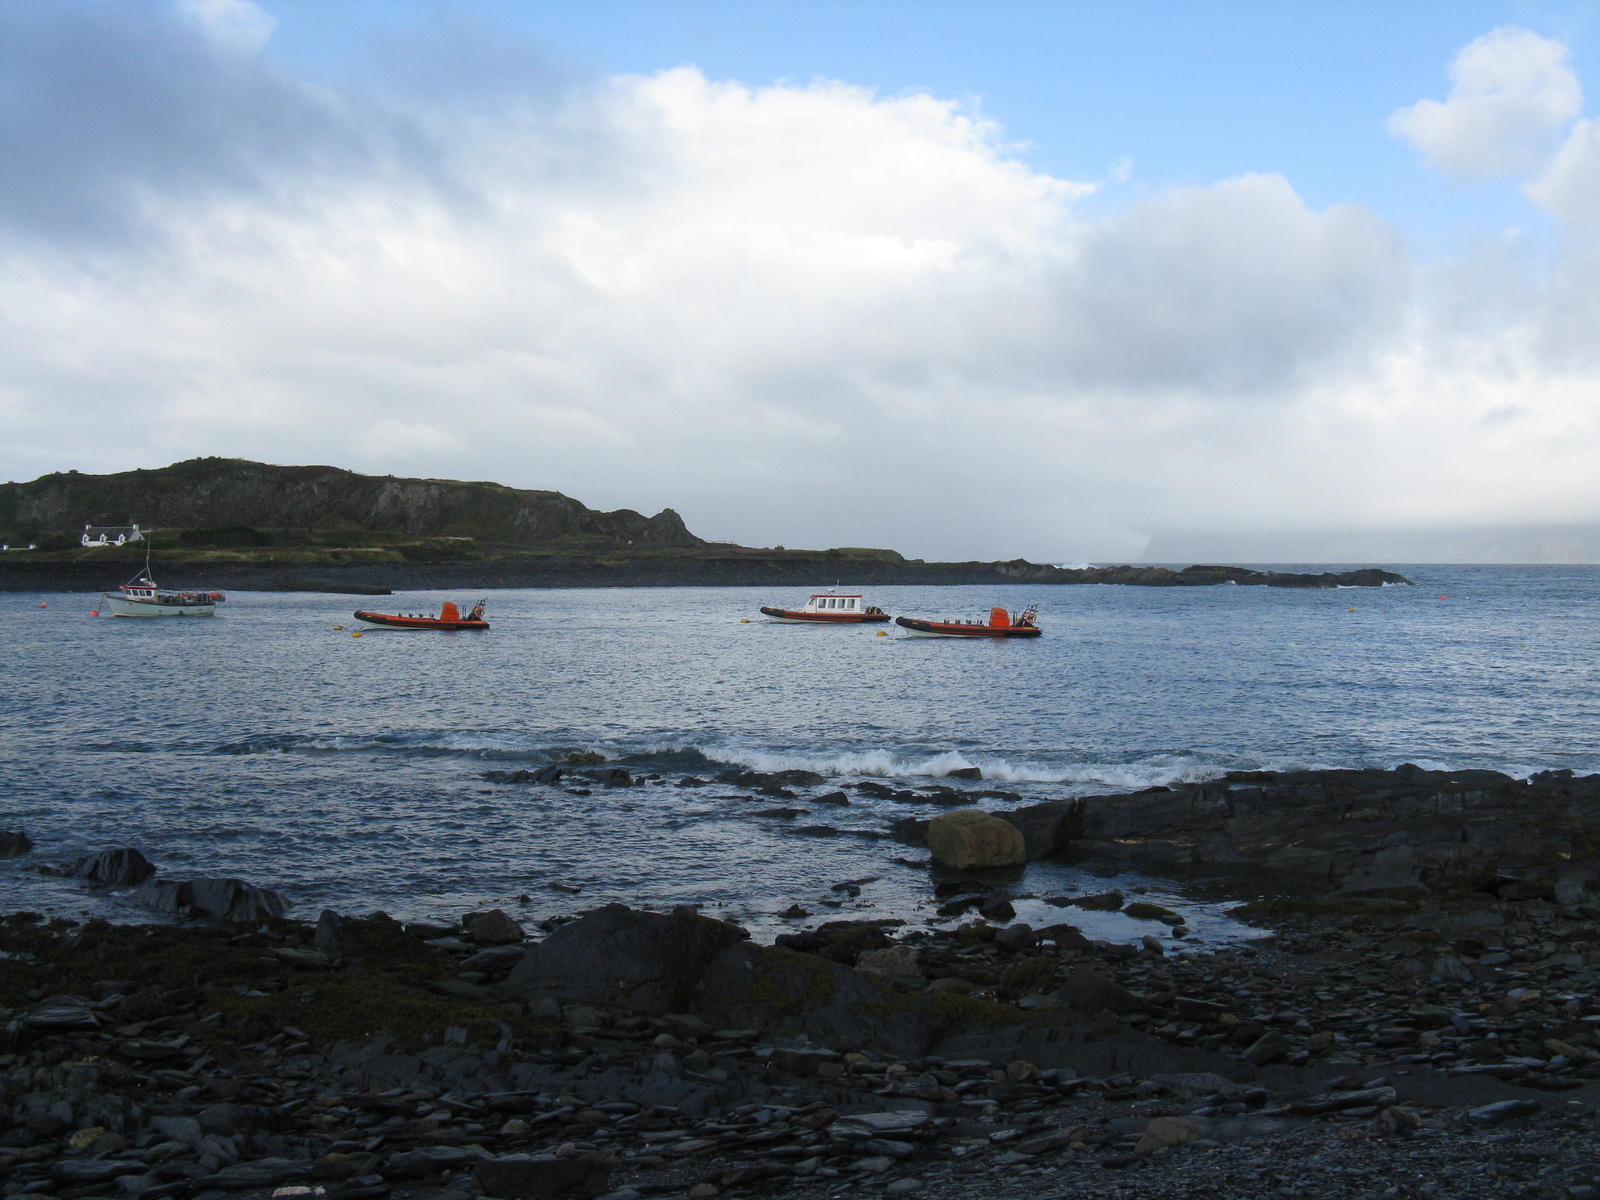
213, 492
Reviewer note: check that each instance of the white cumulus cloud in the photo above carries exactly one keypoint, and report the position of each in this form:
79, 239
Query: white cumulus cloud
1511, 94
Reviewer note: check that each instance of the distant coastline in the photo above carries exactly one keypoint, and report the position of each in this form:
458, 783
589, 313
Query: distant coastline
249, 526
786, 569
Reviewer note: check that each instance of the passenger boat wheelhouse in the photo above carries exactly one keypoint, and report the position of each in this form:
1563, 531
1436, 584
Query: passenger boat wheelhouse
140, 597
448, 617
830, 608
1001, 624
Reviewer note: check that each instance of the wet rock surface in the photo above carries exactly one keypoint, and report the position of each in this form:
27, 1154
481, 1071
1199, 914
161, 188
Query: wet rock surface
1353, 830
1435, 1042
970, 838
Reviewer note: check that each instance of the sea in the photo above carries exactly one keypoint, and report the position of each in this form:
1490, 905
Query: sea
271, 745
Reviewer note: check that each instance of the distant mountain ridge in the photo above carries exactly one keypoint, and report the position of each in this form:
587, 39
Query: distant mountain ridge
222, 492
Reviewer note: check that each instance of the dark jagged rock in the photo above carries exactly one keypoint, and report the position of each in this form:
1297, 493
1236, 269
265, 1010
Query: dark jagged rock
642, 961
216, 899
493, 928
1349, 829
14, 844
114, 868
329, 926
1091, 992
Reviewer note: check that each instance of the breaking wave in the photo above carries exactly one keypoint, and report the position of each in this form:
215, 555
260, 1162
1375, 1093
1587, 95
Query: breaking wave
1155, 769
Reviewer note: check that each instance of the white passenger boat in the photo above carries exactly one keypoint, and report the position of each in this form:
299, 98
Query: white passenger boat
829, 608
140, 597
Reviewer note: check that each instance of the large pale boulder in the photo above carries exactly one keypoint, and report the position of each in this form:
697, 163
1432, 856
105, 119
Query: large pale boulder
970, 838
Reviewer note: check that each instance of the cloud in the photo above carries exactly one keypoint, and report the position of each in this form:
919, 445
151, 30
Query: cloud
1570, 187
113, 110
1511, 94
810, 314
397, 441
235, 25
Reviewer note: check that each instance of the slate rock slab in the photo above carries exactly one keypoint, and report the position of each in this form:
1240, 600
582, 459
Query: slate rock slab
521, 1176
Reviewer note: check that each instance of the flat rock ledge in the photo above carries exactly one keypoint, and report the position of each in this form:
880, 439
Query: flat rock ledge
1343, 830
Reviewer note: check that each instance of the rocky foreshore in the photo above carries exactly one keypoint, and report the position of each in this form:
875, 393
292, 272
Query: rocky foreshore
1436, 1037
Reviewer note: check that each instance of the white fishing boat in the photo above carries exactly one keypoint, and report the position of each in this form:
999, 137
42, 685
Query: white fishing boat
141, 597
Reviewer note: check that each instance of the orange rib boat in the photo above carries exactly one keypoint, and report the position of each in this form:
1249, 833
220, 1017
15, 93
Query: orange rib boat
1001, 624
449, 618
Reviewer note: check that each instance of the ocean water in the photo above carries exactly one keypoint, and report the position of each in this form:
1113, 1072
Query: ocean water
349, 772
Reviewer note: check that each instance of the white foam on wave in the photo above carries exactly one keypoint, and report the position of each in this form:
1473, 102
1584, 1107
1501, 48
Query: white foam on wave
1156, 770
1427, 764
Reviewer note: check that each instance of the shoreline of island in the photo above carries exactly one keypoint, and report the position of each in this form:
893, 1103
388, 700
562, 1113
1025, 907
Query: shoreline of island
611, 570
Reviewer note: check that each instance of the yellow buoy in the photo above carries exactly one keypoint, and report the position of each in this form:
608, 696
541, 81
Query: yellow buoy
357, 633
744, 620
882, 633
338, 626
1351, 610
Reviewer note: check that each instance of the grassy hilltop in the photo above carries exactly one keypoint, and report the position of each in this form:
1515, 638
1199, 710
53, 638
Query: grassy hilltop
235, 510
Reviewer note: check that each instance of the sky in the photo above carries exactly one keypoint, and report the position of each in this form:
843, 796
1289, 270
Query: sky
1059, 280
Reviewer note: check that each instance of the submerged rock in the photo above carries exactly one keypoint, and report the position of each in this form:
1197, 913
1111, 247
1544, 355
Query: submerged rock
14, 843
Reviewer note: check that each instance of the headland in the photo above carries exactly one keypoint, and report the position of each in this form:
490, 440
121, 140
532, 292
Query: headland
257, 527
